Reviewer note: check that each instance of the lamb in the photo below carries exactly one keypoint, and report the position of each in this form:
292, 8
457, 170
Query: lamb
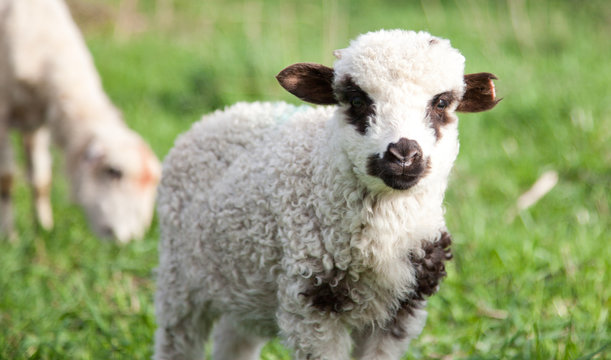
323, 225
50, 90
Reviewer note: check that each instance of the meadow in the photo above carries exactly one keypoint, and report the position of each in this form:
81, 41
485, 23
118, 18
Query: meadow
530, 283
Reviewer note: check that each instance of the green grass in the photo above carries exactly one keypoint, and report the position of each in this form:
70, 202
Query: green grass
532, 286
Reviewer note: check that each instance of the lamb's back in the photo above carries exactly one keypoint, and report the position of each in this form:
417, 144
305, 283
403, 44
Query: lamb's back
45, 61
202, 157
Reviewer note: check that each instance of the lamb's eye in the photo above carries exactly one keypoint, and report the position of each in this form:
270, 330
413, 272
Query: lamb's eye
113, 173
441, 104
357, 102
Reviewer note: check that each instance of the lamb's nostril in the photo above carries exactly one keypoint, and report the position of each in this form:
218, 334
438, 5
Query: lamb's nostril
404, 151
398, 156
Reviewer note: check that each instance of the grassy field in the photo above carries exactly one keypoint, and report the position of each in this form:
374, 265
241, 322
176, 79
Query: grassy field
530, 284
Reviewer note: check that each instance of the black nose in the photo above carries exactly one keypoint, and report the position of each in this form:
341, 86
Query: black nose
405, 152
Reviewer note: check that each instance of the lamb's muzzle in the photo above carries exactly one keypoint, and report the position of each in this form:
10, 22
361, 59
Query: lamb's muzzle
402, 165
406, 153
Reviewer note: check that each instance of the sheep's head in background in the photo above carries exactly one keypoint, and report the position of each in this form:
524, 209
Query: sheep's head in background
397, 92
115, 178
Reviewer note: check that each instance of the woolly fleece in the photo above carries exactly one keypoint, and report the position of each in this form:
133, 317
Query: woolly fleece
262, 204
49, 86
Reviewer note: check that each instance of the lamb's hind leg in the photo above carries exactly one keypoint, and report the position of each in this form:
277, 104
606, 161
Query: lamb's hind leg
183, 339
315, 336
6, 181
183, 325
38, 158
230, 343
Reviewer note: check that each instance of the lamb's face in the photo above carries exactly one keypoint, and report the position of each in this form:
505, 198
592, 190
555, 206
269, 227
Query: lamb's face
397, 92
115, 180
398, 142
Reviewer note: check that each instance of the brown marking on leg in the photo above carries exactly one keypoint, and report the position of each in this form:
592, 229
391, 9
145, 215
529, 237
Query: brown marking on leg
430, 270
6, 185
6, 211
42, 191
42, 203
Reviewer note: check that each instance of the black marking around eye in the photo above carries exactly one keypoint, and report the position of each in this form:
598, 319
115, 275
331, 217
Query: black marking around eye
360, 108
438, 111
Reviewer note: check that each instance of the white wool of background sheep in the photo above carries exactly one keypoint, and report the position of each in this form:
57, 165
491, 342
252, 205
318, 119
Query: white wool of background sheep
273, 222
49, 88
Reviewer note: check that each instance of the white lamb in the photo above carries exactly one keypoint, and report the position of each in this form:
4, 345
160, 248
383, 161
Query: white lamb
49, 87
321, 225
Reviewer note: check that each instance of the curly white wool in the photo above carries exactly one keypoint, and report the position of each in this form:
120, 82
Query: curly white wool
50, 87
262, 206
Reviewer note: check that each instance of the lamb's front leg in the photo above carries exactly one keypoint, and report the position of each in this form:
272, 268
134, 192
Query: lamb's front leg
38, 158
314, 337
390, 342
313, 334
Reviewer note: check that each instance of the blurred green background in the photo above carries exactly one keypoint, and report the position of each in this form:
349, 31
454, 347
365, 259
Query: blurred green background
529, 284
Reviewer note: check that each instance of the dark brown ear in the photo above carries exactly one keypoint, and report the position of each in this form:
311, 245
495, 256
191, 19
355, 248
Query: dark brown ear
479, 95
310, 82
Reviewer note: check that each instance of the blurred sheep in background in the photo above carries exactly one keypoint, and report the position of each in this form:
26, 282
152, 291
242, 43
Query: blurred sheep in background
50, 90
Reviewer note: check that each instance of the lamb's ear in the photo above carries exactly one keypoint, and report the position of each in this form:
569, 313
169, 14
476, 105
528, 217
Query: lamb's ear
309, 82
479, 94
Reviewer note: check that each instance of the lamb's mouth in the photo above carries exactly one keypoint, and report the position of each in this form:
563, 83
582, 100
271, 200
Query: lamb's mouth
400, 182
396, 175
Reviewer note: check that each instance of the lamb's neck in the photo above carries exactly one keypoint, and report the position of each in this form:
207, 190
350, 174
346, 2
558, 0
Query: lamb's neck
381, 227
413, 213
339, 192
76, 115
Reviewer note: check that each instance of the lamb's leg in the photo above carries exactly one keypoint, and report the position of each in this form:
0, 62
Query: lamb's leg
184, 339
392, 342
38, 158
6, 182
315, 336
183, 326
232, 344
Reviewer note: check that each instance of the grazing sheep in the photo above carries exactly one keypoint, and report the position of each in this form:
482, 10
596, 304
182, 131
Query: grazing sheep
49, 89
323, 225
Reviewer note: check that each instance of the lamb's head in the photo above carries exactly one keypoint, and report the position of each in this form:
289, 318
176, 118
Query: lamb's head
397, 92
114, 177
